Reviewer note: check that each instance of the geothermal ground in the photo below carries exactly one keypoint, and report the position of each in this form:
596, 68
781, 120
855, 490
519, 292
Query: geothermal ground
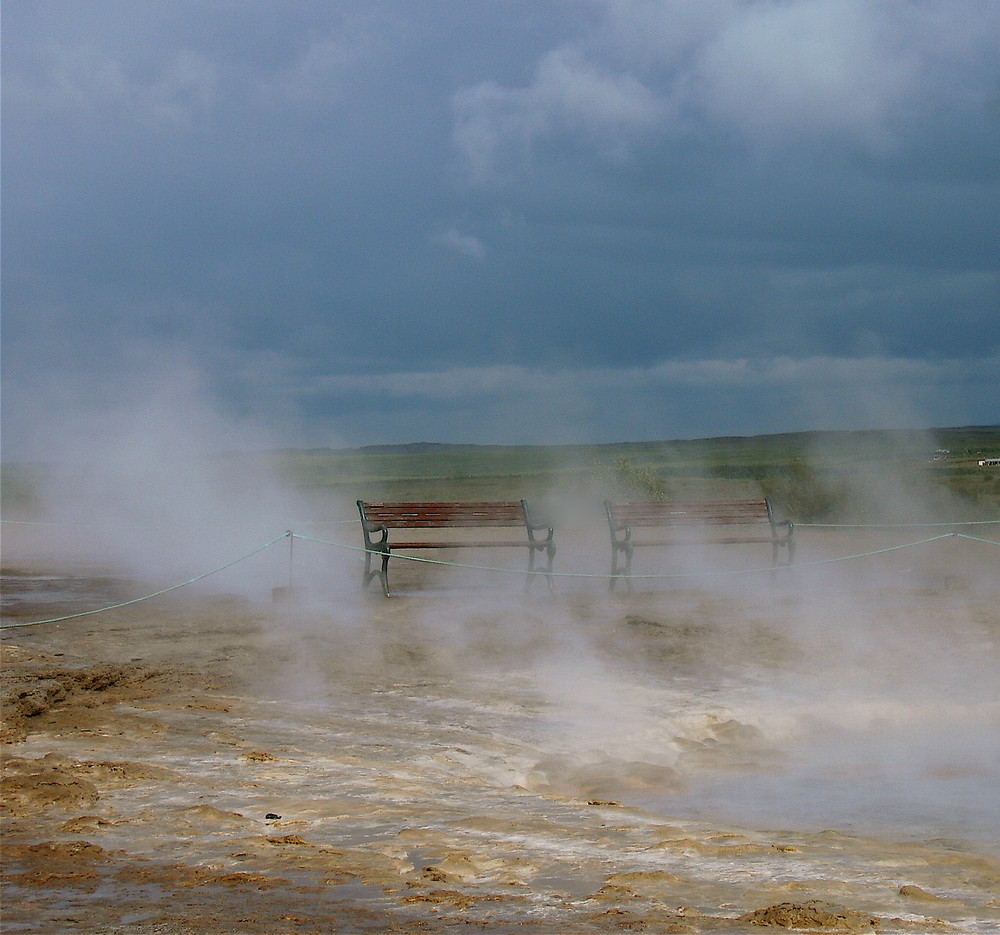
818, 752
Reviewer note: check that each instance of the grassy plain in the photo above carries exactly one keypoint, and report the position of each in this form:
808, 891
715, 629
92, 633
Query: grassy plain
809, 475
885, 475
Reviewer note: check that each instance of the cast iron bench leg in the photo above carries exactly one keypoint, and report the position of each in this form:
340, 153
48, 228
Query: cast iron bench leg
382, 575
550, 551
616, 570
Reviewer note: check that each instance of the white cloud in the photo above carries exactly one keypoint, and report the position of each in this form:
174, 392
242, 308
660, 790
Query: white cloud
570, 94
463, 244
579, 92
92, 82
179, 86
719, 373
315, 78
672, 399
817, 67
778, 72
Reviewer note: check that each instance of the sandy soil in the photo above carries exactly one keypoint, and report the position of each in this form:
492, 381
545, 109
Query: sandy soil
450, 759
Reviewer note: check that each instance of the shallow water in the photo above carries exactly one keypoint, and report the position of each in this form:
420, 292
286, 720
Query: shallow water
585, 762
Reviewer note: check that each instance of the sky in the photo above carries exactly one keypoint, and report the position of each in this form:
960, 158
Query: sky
290, 223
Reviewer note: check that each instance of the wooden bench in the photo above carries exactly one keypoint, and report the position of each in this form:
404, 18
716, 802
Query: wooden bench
623, 518
378, 519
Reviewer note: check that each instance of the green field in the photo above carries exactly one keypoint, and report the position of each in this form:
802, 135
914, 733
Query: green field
870, 475
809, 475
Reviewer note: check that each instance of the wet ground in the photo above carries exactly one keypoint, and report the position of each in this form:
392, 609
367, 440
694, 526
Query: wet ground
467, 757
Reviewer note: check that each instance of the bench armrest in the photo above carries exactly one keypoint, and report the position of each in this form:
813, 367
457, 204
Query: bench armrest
616, 528
531, 524
368, 528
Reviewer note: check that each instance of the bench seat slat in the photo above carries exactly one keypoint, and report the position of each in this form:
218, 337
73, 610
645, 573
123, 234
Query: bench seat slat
428, 522
381, 520
678, 513
713, 540
468, 544
625, 518
420, 515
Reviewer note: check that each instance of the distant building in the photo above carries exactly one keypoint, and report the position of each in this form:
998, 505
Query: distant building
990, 462
940, 455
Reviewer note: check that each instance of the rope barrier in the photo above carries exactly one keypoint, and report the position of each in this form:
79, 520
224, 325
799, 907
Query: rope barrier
962, 535
692, 574
351, 522
146, 597
972, 522
329, 522
435, 561
22, 522
291, 536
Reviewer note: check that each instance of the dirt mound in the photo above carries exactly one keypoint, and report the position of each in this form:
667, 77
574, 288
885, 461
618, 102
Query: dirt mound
32, 688
811, 917
27, 785
50, 781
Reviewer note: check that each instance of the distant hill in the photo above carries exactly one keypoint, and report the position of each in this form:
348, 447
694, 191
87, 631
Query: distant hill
444, 448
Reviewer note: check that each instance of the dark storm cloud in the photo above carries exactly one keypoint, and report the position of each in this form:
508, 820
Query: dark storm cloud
626, 218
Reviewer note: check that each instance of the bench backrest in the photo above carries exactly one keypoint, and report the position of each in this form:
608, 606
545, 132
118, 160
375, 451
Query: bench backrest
688, 513
438, 515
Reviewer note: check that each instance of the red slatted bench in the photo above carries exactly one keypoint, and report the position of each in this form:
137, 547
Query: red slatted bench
623, 518
379, 519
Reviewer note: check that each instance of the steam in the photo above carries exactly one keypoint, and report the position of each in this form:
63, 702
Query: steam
151, 473
832, 690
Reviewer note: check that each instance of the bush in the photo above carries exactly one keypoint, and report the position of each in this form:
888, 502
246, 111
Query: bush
802, 494
632, 481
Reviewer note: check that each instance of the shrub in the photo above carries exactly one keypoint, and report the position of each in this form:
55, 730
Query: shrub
800, 493
634, 481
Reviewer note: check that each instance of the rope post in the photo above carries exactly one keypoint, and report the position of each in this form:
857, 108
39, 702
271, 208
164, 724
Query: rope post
286, 594
145, 597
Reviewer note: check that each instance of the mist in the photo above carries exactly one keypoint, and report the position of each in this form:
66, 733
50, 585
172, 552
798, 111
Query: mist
858, 695
152, 473
842, 693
